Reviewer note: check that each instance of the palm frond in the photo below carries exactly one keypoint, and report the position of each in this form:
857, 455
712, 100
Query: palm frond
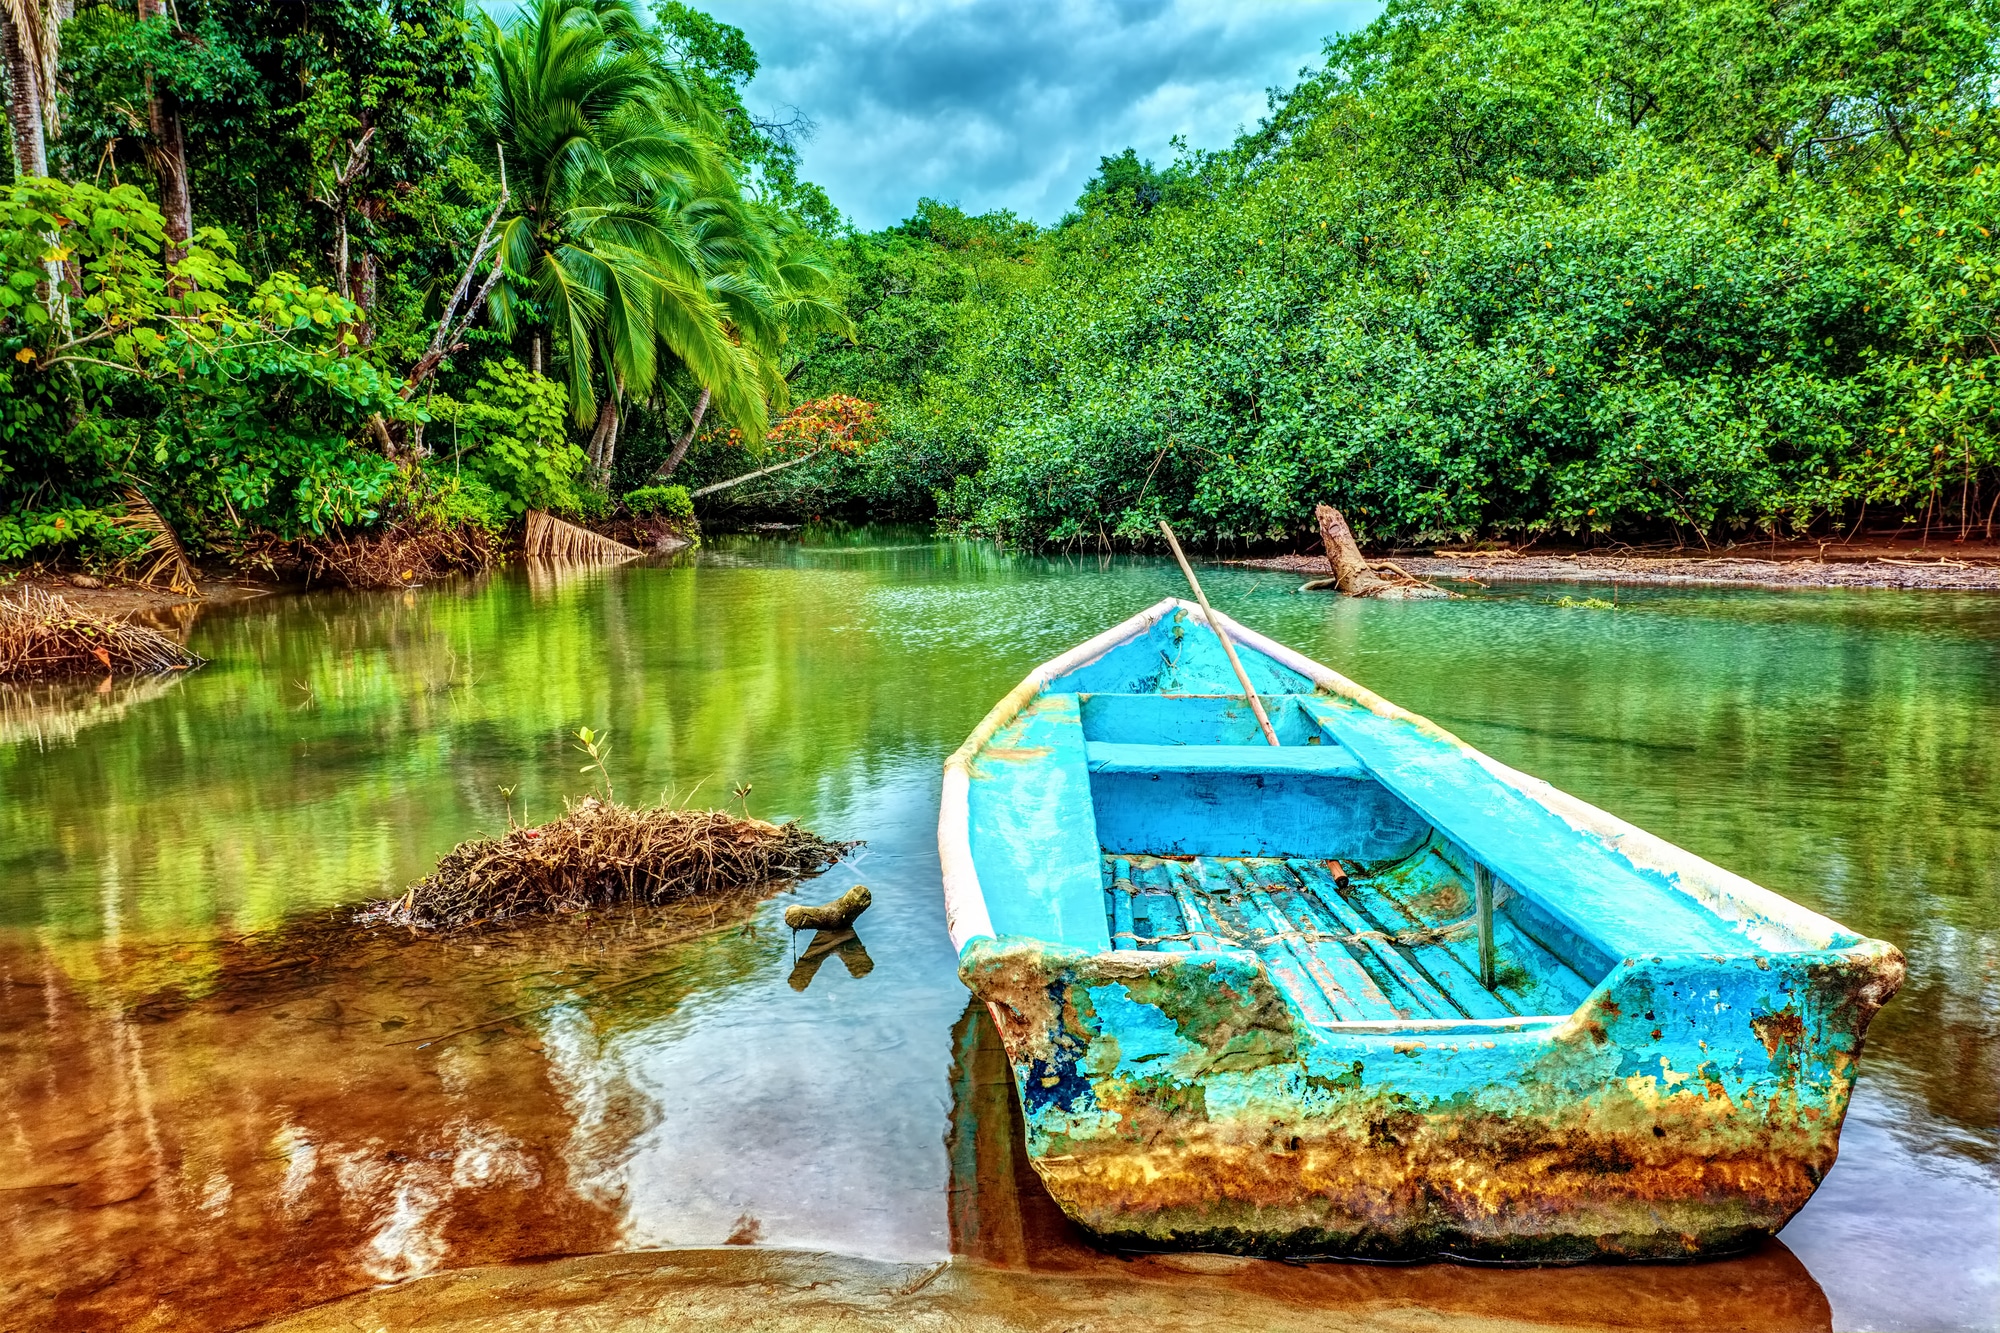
549, 538
163, 553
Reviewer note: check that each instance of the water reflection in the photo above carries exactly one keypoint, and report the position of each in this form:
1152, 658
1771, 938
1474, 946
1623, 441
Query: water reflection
203, 1134
825, 943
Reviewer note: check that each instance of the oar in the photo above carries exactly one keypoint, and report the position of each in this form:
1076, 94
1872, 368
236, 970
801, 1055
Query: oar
1256, 704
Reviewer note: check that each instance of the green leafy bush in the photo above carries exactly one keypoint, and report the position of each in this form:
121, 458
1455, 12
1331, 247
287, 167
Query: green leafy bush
511, 436
242, 403
46, 532
669, 502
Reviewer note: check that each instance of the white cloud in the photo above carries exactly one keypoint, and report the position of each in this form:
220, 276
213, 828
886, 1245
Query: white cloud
1010, 103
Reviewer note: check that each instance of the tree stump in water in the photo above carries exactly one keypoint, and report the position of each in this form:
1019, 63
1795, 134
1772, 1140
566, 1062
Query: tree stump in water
1351, 571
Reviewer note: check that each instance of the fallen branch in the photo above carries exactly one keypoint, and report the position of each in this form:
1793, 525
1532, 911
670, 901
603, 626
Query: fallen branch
836, 915
1353, 575
760, 472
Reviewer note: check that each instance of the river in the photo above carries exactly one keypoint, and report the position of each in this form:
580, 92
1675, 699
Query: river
218, 1109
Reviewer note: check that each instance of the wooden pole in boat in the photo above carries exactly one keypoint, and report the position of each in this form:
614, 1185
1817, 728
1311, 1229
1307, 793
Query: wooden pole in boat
1228, 648
1482, 881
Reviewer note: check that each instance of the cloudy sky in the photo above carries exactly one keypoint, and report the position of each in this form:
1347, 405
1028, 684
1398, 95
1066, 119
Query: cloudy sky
1010, 103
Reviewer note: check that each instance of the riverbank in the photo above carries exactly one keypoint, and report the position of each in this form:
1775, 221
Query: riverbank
1954, 567
115, 597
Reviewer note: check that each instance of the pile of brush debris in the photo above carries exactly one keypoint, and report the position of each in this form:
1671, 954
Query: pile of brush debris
601, 854
43, 636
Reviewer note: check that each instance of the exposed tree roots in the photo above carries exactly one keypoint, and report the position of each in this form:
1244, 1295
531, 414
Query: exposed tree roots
605, 855
43, 636
397, 556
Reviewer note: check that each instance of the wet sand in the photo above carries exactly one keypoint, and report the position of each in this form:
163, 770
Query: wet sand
750, 1289
158, 607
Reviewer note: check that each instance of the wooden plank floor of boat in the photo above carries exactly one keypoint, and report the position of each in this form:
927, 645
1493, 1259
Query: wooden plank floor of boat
1342, 955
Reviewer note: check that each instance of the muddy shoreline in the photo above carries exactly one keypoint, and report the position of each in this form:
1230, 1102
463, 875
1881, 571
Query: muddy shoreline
1940, 567
115, 597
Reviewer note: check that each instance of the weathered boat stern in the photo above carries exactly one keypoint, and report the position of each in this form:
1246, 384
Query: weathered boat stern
1688, 1108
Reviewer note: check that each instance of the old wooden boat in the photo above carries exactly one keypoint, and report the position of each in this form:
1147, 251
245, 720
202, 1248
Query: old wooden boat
1370, 992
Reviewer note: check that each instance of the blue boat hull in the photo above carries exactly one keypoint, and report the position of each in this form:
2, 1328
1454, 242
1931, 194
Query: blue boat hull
1247, 1004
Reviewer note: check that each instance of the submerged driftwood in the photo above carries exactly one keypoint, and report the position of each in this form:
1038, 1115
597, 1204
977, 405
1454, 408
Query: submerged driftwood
1352, 572
606, 855
836, 915
44, 636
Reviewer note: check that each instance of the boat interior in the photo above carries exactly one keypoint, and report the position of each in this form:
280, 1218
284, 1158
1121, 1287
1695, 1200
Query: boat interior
1380, 875
1358, 908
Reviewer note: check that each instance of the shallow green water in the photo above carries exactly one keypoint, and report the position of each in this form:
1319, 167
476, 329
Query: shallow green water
1841, 748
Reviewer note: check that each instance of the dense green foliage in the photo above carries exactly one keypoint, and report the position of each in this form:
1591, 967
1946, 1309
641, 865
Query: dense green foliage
1496, 268
661, 501
579, 182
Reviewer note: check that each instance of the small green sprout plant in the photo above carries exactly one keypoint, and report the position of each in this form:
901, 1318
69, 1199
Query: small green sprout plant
596, 744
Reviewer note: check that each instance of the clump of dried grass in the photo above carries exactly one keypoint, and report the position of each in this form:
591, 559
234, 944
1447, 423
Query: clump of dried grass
605, 855
42, 635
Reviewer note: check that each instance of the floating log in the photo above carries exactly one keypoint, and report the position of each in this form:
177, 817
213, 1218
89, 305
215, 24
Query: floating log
549, 538
836, 915
1353, 574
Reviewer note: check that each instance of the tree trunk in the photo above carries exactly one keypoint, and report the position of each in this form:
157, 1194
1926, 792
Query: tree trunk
166, 152
24, 103
687, 437
610, 451
343, 278
365, 298
604, 437
1349, 567
752, 476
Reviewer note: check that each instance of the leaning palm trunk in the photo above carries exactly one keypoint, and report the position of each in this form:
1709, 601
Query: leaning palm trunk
549, 538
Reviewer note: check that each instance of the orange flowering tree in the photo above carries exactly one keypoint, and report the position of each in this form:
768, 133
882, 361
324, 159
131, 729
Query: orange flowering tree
844, 424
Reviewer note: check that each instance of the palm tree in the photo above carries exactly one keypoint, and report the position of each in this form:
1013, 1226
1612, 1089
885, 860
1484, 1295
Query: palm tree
633, 238
614, 170
30, 37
